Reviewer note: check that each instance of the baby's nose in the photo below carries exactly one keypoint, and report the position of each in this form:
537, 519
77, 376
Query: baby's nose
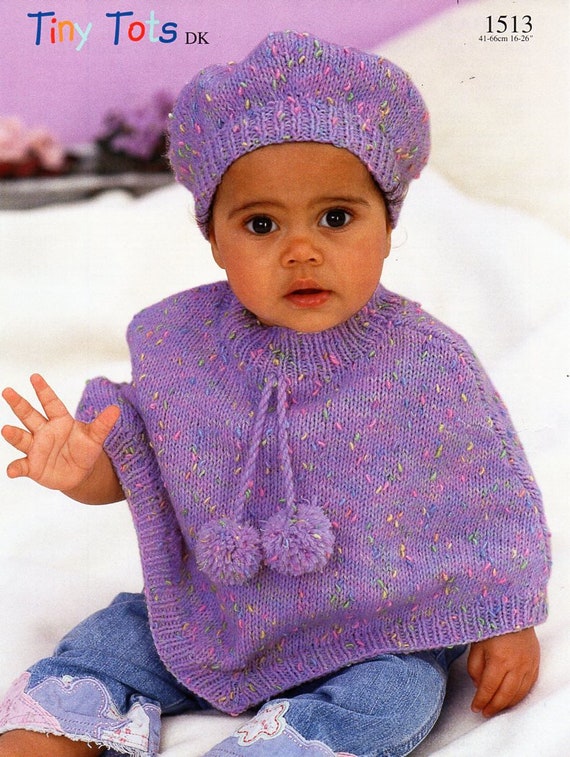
301, 248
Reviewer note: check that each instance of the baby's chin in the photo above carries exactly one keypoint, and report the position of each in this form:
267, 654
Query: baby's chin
305, 326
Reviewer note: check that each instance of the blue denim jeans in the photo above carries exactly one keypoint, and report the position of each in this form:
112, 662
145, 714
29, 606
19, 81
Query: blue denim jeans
106, 684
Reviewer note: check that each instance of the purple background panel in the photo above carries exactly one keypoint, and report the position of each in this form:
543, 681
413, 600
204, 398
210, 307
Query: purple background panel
68, 90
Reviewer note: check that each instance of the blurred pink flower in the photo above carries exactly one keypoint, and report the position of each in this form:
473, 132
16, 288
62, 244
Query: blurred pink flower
48, 150
13, 144
19, 144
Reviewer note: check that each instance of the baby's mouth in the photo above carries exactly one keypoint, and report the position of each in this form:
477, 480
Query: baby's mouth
307, 290
308, 296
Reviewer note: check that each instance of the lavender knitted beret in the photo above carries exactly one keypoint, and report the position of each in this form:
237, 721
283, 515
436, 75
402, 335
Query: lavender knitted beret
296, 88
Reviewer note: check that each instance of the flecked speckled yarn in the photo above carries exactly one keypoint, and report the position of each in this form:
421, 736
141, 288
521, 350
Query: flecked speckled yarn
296, 88
381, 438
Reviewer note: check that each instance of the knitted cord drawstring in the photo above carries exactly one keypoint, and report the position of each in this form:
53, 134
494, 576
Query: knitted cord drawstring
228, 549
297, 539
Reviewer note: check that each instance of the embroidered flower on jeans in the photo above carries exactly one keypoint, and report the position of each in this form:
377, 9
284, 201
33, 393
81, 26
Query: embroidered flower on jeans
267, 724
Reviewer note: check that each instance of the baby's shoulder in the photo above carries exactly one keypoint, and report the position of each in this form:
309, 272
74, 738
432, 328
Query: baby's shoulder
180, 311
429, 343
414, 323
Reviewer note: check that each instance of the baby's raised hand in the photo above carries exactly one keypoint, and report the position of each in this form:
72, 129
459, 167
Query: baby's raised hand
59, 451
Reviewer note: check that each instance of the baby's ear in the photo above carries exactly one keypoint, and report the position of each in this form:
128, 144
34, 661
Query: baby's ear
216, 254
388, 238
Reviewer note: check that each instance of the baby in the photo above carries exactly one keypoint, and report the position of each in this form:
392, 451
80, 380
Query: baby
330, 500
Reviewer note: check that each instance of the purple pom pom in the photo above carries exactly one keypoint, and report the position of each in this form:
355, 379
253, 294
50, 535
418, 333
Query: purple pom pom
298, 541
228, 552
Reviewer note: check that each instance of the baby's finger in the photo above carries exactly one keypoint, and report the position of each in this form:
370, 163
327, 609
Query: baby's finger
18, 438
53, 406
26, 413
18, 468
512, 691
488, 685
476, 663
99, 429
507, 695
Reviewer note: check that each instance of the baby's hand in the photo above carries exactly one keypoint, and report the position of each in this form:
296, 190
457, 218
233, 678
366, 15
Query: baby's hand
59, 452
504, 669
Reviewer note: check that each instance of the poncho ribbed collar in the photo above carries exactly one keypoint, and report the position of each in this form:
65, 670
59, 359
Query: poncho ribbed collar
277, 351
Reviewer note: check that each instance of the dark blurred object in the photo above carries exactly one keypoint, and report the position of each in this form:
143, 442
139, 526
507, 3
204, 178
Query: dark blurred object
80, 183
135, 140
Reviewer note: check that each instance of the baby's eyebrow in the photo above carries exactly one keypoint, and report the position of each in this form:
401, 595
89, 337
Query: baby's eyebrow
260, 204
332, 200
343, 200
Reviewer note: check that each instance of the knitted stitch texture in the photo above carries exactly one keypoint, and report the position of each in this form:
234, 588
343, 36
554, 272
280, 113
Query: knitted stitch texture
383, 436
296, 88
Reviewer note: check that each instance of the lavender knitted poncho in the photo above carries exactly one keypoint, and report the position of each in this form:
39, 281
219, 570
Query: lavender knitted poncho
306, 501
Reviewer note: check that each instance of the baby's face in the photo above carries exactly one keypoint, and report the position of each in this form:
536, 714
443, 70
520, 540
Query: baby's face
302, 233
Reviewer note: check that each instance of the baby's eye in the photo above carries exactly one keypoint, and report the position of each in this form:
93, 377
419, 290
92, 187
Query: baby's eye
261, 225
335, 219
